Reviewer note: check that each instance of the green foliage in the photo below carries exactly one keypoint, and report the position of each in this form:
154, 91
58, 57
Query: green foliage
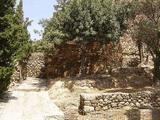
6, 23
5, 73
14, 39
42, 46
19, 13
87, 20
147, 30
6, 7
21, 45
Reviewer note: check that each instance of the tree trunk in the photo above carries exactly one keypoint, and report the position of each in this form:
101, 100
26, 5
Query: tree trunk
20, 72
82, 60
140, 49
157, 69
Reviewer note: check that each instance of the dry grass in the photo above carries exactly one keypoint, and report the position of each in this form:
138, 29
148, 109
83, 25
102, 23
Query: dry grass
66, 94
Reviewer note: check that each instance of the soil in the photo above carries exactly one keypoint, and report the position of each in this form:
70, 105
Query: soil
66, 94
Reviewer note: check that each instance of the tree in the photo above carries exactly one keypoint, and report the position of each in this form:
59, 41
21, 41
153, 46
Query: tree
22, 38
6, 23
19, 13
22, 43
147, 30
14, 39
86, 21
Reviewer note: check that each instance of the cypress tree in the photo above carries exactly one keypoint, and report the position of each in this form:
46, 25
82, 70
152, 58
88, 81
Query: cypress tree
19, 13
22, 38
6, 39
22, 44
14, 39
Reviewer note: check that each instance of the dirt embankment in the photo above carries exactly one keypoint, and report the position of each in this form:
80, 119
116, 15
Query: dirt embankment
66, 92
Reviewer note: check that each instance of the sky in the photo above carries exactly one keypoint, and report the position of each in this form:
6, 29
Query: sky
36, 10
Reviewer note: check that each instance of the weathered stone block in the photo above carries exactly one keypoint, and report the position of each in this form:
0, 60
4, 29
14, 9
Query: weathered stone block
88, 109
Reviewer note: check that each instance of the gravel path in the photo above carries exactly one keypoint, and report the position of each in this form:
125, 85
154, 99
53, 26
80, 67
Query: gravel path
30, 101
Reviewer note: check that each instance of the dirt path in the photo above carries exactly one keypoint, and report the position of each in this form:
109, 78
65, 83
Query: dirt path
30, 101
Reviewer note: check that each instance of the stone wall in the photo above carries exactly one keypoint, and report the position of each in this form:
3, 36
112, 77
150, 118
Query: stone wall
39, 65
96, 58
20, 71
35, 65
130, 53
32, 67
67, 59
90, 103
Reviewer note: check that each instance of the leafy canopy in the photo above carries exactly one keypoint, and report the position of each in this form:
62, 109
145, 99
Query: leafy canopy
147, 30
87, 20
14, 39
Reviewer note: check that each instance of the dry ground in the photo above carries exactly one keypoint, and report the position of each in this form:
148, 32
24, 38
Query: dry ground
66, 94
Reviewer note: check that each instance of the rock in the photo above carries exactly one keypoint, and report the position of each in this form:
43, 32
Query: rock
88, 109
105, 108
113, 105
126, 103
87, 103
138, 104
119, 97
89, 97
98, 108
132, 104
94, 102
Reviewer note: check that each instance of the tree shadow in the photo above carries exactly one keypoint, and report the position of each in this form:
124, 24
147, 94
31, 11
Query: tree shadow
123, 78
137, 114
133, 114
6, 97
42, 83
156, 114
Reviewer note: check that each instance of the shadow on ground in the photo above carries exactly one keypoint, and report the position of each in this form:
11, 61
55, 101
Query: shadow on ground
103, 82
140, 114
6, 97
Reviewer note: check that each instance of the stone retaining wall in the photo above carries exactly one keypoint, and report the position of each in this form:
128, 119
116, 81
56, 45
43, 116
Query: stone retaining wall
20, 72
90, 103
71, 59
131, 57
36, 65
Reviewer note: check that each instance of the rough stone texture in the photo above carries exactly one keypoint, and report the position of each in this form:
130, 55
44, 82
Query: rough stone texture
32, 67
66, 60
130, 53
20, 71
136, 77
35, 65
118, 100
38, 66
97, 59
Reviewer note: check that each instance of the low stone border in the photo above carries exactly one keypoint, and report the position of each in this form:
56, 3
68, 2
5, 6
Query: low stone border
90, 103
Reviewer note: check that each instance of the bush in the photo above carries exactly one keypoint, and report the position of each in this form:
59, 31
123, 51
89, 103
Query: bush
5, 75
87, 21
42, 46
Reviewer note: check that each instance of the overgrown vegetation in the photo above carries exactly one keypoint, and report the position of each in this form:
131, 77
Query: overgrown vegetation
22, 43
87, 20
147, 30
14, 39
79, 21
42, 46
84, 21
105, 20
